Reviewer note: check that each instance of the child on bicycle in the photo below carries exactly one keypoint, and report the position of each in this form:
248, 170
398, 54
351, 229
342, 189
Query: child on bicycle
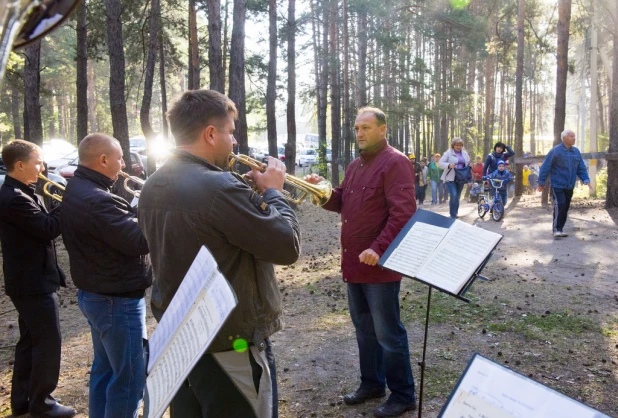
501, 174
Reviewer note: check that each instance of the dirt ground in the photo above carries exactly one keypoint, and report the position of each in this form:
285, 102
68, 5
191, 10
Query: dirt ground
549, 310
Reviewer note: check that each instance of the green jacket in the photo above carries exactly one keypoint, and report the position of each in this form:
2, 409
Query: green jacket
434, 171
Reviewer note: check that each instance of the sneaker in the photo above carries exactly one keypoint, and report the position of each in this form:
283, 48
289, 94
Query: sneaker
563, 234
560, 234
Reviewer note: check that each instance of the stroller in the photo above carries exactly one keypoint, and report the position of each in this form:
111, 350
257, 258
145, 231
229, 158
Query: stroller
475, 191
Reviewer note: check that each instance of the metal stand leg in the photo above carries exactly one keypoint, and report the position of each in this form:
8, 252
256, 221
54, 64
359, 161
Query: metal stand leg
422, 364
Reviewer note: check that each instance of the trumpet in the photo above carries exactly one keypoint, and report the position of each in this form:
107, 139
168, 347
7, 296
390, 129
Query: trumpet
48, 184
318, 194
128, 179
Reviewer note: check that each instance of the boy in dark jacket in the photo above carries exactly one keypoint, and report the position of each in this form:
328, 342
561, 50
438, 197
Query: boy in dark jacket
501, 174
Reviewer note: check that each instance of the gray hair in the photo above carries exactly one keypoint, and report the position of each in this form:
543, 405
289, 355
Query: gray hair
565, 133
456, 141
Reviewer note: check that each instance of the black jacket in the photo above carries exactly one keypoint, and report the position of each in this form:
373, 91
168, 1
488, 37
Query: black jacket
27, 233
107, 250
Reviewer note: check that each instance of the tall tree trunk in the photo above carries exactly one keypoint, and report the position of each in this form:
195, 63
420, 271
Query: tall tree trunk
118, 105
271, 87
237, 73
164, 126
362, 56
290, 150
225, 36
533, 110
519, 86
194, 51
347, 119
33, 125
92, 100
215, 58
15, 112
323, 87
82, 74
335, 97
562, 67
611, 200
144, 114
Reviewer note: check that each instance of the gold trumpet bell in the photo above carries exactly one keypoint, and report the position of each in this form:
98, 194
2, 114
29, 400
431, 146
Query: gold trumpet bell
48, 183
318, 194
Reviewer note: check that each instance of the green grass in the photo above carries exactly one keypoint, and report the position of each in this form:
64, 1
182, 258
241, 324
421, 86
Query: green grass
539, 327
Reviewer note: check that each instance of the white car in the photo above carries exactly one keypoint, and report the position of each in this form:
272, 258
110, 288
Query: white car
307, 156
58, 163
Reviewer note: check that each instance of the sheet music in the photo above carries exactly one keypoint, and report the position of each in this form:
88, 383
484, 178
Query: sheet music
415, 247
200, 307
491, 390
201, 274
458, 256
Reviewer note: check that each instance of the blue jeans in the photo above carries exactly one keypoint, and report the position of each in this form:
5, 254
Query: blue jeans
434, 192
118, 375
382, 340
454, 191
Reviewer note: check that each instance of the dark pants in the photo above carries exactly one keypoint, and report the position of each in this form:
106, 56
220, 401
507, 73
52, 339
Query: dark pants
384, 354
209, 391
37, 354
562, 202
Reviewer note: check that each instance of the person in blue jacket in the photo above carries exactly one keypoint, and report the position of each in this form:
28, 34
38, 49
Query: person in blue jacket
501, 174
563, 164
501, 152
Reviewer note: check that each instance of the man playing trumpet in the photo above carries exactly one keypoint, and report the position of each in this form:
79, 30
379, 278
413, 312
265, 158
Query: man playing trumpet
31, 277
111, 269
193, 201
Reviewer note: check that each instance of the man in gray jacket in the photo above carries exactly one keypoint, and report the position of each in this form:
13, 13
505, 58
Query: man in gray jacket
194, 201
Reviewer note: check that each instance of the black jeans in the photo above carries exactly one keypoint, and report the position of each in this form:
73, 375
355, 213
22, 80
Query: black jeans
37, 354
562, 202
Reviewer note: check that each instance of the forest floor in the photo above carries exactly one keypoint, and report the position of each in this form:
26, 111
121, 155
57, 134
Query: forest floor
548, 311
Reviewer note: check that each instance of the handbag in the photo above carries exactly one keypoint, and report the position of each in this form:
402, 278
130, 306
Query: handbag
463, 175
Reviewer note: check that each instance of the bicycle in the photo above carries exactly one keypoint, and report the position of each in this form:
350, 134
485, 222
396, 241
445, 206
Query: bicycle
485, 204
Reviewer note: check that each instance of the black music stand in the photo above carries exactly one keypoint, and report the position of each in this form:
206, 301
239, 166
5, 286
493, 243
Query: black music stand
441, 221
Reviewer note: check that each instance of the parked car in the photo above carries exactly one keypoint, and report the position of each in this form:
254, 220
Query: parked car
306, 156
137, 167
138, 144
57, 148
280, 151
53, 165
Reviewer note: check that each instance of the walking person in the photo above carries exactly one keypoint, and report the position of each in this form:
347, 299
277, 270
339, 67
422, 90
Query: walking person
375, 201
453, 159
434, 178
111, 268
563, 164
31, 278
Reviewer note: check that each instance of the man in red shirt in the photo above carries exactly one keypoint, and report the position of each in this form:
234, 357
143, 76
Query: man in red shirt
375, 201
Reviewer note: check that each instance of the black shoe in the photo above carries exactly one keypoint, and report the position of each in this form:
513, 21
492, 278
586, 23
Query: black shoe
361, 395
57, 411
19, 412
393, 409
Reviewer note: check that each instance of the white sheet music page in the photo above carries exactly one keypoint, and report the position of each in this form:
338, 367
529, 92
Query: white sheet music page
491, 390
201, 305
418, 244
457, 257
